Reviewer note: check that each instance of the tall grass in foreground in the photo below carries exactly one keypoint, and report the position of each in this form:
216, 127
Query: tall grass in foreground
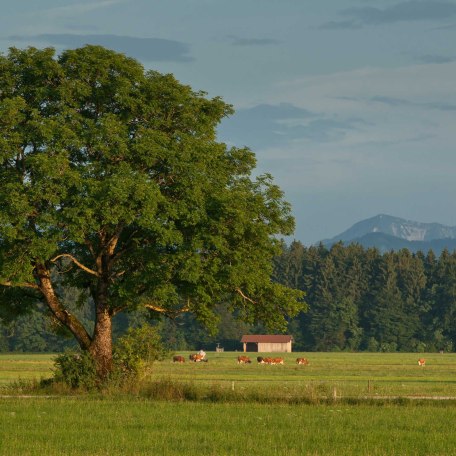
84, 426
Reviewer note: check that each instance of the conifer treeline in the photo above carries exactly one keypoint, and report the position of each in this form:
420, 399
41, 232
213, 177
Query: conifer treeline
360, 299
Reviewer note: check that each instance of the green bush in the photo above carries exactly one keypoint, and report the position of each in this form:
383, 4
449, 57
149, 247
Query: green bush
137, 350
132, 355
75, 369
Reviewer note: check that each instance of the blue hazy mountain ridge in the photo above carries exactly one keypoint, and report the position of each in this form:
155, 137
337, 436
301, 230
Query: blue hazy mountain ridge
386, 233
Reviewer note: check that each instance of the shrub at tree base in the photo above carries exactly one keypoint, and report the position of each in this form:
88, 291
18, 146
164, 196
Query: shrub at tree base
133, 355
76, 369
136, 350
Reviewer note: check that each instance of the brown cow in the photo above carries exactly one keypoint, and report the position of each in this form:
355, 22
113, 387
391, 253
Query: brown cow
303, 361
178, 359
260, 359
196, 358
243, 360
421, 362
277, 361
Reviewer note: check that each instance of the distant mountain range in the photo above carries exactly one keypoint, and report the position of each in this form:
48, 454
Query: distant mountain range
393, 233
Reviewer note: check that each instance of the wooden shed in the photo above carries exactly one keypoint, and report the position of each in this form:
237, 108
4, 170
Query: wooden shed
267, 343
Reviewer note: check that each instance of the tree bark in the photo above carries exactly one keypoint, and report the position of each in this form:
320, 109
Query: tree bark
101, 346
58, 310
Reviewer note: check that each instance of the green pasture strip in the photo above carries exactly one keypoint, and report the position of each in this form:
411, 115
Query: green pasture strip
82, 426
350, 374
24, 366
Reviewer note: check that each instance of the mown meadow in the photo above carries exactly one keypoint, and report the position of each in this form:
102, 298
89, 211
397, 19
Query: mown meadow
340, 404
345, 374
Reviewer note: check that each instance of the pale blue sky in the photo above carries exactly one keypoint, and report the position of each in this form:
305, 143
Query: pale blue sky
350, 104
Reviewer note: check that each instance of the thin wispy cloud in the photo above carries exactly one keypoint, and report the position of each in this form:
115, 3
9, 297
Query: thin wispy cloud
80, 8
446, 27
410, 11
398, 102
264, 126
394, 102
238, 41
82, 27
435, 59
340, 25
148, 49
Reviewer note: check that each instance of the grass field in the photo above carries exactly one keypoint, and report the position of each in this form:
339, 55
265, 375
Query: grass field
349, 374
84, 426
135, 425
15, 367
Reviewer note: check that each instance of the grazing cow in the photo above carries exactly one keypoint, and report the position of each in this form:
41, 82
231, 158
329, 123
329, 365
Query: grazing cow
178, 359
262, 360
303, 361
197, 358
243, 360
421, 362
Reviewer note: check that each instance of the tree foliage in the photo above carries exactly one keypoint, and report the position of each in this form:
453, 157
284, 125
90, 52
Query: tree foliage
112, 179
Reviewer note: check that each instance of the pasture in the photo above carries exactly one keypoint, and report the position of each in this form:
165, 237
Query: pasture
18, 366
345, 374
113, 426
358, 421
349, 374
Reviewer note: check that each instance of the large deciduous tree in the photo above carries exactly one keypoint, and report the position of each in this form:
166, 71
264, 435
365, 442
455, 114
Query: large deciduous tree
112, 180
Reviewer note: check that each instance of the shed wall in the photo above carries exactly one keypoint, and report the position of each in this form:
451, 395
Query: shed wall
269, 347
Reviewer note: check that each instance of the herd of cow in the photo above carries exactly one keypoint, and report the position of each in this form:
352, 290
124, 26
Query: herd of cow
261, 360
196, 358
201, 357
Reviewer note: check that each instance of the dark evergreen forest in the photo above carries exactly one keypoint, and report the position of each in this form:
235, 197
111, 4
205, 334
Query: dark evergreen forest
359, 300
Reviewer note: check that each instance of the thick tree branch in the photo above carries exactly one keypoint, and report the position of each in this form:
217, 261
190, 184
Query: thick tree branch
90, 247
125, 247
59, 311
239, 291
117, 310
8, 283
76, 262
172, 313
112, 243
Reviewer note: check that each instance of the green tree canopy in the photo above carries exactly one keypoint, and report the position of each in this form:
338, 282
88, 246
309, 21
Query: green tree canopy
112, 180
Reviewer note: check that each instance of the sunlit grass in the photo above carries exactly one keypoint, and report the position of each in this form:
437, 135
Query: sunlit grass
81, 426
343, 374
18, 366
334, 406
352, 374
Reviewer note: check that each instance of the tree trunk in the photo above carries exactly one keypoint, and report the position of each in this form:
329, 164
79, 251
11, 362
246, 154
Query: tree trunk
101, 346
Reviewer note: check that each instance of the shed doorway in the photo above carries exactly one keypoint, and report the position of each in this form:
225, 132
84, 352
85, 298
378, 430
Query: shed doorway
251, 347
